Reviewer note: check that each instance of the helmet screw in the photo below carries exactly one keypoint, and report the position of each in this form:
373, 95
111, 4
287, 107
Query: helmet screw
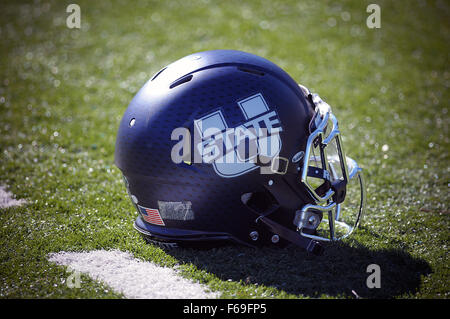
275, 239
254, 235
312, 220
270, 182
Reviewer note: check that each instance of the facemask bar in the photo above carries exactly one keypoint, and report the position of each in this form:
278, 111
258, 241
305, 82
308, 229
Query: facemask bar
327, 134
324, 137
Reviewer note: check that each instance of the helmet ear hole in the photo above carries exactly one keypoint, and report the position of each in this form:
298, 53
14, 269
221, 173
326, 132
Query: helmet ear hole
260, 202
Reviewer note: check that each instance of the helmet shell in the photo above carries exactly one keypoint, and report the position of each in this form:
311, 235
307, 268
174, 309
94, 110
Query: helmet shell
194, 201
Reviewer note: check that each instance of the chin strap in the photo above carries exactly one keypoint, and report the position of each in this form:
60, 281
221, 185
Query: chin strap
309, 244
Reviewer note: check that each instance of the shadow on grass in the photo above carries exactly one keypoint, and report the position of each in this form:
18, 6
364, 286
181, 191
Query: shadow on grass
336, 273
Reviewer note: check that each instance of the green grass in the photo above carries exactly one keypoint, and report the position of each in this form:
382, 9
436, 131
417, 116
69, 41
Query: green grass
63, 92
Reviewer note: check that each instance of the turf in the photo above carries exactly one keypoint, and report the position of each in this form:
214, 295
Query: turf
63, 92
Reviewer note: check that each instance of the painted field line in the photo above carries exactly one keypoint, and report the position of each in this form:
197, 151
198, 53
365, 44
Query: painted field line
7, 199
134, 278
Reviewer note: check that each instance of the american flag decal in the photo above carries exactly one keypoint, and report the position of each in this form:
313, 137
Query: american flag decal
151, 216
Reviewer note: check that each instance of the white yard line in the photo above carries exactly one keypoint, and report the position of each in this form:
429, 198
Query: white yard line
7, 199
132, 277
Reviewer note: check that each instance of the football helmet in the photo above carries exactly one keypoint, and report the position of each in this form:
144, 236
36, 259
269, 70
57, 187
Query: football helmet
224, 146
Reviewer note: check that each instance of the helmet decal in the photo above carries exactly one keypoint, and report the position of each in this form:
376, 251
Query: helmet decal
235, 151
151, 215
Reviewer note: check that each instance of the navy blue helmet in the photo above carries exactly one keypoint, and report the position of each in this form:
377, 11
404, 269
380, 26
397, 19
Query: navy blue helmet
224, 146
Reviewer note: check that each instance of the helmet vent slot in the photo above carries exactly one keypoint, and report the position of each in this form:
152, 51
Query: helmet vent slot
252, 71
181, 81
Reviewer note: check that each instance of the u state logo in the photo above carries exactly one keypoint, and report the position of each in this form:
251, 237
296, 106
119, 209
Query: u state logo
234, 151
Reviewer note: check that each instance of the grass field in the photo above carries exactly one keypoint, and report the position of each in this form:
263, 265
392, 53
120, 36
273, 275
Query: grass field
63, 92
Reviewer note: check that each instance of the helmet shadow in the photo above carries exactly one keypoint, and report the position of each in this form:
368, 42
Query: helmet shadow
342, 271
